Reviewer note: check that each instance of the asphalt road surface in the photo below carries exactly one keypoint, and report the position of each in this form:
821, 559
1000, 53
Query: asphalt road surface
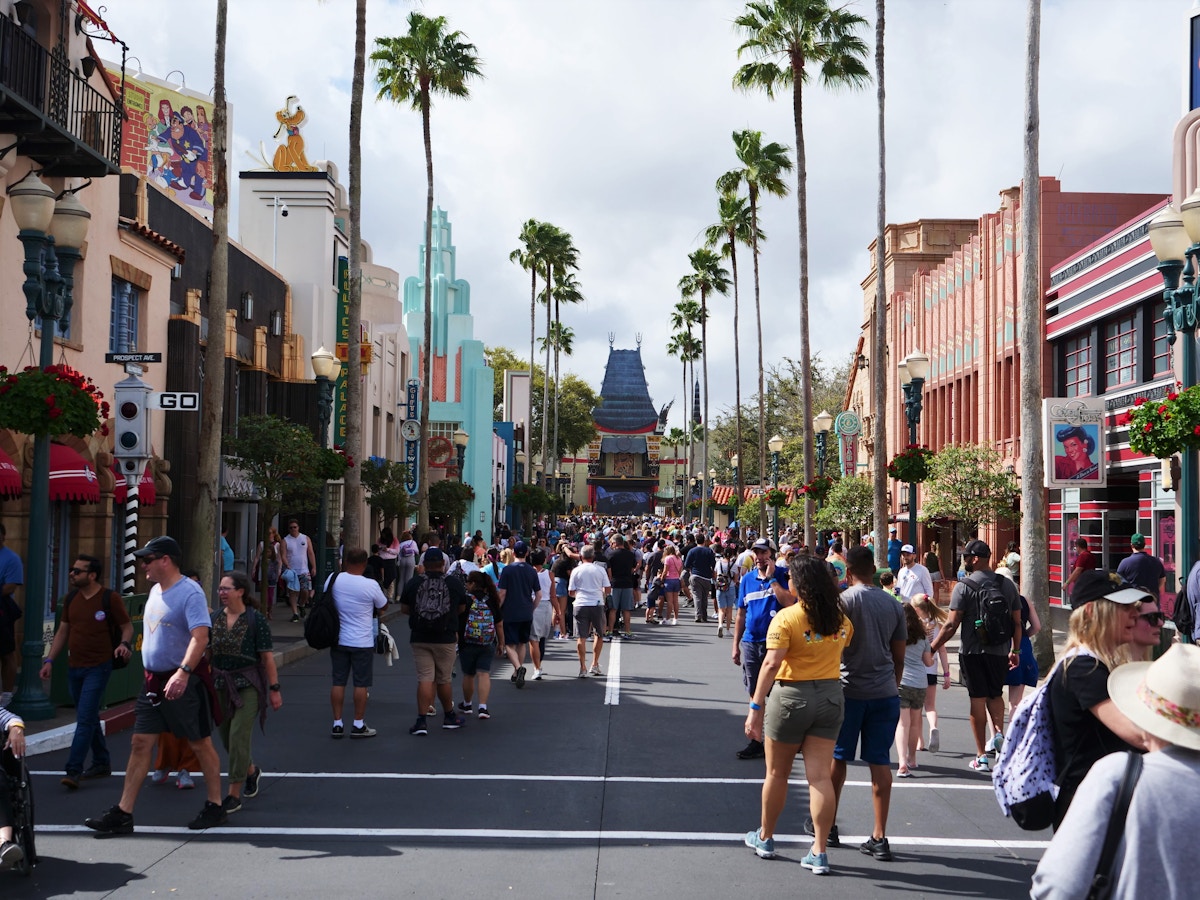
625, 785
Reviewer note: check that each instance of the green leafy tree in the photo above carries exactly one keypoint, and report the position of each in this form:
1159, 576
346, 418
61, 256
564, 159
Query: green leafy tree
967, 483
412, 68
384, 483
790, 42
762, 168
576, 399
850, 506
283, 463
449, 500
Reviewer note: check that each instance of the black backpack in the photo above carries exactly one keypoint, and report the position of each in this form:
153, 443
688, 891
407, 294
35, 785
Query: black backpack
433, 608
1185, 616
322, 627
993, 611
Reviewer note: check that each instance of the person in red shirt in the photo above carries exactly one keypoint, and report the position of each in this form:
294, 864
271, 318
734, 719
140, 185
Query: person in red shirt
1084, 561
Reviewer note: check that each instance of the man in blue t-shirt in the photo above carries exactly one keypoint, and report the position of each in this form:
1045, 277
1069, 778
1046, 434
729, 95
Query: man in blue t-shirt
894, 545
520, 593
757, 604
1143, 569
173, 697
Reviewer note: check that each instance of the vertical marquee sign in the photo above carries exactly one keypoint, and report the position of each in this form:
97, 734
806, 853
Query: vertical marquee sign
343, 337
411, 429
847, 428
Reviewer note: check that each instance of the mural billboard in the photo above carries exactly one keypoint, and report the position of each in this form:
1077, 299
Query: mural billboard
1074, 440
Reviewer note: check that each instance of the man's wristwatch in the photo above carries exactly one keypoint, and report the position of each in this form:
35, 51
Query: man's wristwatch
127, 646
186, 668
273, 687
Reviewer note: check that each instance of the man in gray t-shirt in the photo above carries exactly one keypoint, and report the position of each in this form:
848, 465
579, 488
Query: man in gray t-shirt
872, 665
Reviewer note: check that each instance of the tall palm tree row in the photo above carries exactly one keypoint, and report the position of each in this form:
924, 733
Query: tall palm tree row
684, 317
566, 290
411, 68
707, 276
784, 37
762, 168
562, 257
534, 238
733, 228
687, 348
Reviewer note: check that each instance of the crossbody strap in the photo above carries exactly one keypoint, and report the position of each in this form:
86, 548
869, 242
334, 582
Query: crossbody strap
1106, 867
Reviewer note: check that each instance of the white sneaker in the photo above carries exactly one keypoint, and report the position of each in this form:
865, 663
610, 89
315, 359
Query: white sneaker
674, 621
720, 630
935, 741
997, 743
537, 674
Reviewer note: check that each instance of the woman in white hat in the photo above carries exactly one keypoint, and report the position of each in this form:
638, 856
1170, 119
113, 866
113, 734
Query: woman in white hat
1163, 699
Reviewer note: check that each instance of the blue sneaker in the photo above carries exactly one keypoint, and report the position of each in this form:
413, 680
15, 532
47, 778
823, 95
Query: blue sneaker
818, 862
764, 848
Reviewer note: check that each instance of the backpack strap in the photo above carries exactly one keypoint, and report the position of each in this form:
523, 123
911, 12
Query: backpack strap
1106, 866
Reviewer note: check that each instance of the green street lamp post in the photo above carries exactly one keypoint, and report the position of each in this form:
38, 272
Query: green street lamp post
1176, 242
326, 367
737, 497
52, 231
913, 370
461, 439
822, 423
518, 515
775, 445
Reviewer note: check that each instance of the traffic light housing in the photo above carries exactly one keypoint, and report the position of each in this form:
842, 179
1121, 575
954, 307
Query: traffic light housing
131, 438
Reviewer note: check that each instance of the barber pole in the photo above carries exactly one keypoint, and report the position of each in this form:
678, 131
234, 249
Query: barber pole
131, 531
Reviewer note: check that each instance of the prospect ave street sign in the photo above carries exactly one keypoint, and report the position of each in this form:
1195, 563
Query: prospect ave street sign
133, 357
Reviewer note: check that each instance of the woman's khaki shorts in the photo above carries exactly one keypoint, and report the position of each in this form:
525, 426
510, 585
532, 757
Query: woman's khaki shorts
912, 697
797, 709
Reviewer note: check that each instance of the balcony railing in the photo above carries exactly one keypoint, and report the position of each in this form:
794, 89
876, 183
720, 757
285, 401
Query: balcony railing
60, 120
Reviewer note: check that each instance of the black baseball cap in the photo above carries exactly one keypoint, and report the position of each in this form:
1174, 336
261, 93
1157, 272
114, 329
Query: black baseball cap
977, 548
160, 546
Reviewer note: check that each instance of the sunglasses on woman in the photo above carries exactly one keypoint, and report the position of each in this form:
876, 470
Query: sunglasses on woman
1153, 618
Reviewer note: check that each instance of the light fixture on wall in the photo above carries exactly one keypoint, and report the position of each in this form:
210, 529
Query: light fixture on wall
862, 362
276, 320
247, 306
88, 65
25, 13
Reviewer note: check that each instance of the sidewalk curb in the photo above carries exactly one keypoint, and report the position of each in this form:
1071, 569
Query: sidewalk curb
119, 718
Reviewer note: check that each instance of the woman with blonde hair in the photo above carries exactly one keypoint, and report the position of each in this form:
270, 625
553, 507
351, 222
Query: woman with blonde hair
933, 617
1086, 725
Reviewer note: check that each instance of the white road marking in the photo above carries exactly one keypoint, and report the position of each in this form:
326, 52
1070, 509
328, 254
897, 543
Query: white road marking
505, 834
923, 784
612, 690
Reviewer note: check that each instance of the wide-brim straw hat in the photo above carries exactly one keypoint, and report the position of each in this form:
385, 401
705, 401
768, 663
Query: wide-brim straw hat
1162, 697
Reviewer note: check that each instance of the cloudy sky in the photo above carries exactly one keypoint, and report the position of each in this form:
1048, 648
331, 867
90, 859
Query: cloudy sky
612, 119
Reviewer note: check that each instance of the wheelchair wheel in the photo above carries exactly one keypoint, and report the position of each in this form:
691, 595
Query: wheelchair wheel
23, 821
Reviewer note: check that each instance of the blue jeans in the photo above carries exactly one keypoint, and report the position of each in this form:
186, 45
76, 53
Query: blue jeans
87, 684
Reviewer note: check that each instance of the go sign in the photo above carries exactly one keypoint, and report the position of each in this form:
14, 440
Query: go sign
174, 401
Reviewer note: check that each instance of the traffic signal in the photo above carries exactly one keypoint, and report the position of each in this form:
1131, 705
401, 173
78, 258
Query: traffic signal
132, 431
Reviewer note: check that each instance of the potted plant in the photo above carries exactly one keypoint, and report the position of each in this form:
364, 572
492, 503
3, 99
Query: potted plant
1165, 427
776, 497
51, 401
910, 465
819, 488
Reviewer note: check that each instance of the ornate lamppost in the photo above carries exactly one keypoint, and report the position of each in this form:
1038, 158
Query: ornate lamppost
520, 479
737, 497
326, 367
461, 438
775, 445
822, 423
913, 369
52, 231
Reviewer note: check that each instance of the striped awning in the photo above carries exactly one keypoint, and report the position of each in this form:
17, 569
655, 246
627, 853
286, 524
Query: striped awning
71, 478
146, 493
10, 477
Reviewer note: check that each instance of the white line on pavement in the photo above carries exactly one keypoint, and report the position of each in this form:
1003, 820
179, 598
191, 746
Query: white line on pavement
531, 835
924, 784
612, 690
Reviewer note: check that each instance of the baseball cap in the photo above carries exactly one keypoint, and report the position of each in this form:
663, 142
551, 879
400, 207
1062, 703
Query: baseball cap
1137, 540
977, 548
521, 548
434, 555
1096, 584
907, 548
160, 546
763, 544
892, 530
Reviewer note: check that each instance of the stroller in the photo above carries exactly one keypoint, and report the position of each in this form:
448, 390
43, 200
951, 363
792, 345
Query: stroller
15, 780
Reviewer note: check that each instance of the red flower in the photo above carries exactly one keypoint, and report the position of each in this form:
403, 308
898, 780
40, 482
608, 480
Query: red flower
1172, 396
54, 413
1162, 409
1139, 401
1124, 419
1196, 430
1148, 427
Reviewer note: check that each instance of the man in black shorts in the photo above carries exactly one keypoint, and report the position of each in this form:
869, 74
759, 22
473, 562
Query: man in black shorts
982, 667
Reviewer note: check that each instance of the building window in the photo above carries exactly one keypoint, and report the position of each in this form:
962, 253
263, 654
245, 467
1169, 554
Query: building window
123, 320
1119, 353
1078, 370
1162, 347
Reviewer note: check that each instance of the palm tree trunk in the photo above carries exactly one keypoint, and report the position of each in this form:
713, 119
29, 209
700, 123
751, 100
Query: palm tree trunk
427, 340
704, 369
737, 372
353, 504
762, 393
527, 475
208, 472
687, 430
557, 351
878, 333
546, 453
805, 350
1035, 567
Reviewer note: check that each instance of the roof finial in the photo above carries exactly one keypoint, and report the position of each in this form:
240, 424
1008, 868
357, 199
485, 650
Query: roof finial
611, 337
639, 340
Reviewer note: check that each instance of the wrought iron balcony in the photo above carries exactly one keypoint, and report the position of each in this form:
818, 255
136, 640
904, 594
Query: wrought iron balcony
59, 120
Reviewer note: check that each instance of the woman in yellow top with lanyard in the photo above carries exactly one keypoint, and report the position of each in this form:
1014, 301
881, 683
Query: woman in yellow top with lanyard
804, 711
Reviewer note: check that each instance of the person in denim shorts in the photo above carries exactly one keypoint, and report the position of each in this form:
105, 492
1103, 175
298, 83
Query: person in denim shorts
475, 649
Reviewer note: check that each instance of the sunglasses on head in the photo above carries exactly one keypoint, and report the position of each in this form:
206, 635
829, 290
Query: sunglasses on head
1154, 618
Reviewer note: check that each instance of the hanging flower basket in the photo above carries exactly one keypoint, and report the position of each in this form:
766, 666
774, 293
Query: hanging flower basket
910, 465
53, 401
1165, 427
334, 463
819, 488
776, 498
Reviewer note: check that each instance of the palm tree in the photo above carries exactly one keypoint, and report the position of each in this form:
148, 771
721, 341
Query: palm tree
784, 37
1029, 336
879, 332
733, 229
761, 172
707, 276
412, 68
566, 290
674, 439
561, 257
354, 399
688, 349
534, 238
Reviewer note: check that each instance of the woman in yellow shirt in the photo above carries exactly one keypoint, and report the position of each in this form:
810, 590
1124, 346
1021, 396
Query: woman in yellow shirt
804, 711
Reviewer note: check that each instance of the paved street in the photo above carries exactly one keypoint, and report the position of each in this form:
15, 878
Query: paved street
625, 785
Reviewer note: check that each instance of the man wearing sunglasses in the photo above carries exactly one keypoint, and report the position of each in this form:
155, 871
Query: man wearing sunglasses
85, 631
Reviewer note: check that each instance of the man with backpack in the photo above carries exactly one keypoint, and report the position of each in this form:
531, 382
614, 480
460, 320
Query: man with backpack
990, 605
433, 603
95, 630
356, 598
